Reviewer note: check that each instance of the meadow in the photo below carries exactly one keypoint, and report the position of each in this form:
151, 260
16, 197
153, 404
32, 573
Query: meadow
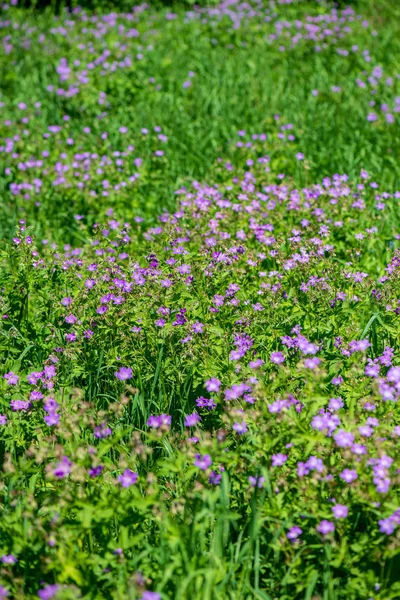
199, 300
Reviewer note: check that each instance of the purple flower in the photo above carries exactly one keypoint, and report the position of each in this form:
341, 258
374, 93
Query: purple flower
128, 478
95, 471
102, 431
150, 596
382, 485
48, 592
386, 526
49, 371
312, 363
372, 370
17, 405
325, 527
3, 420
366, 430
315, 464
236, 391
340, 511
198, 327
279, 459
359, 449
71, 319
52, 419
344, 439
359, 345
326, 422
124, 373
393, 375
240, 428
277, 358
396, 431
205, 403
12, 378
212, 385
203, 461
255, 364
50, 405
3, 592
256, 481
294, 533
9, 559
192, 420
348, 475
335, 404
34, 377
63, 468
157, 421
236, 354
215, 478
180, 318
302, 469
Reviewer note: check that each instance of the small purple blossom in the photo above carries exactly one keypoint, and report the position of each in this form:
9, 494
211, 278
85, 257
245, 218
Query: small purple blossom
52, 419
312, 363
102, 431
344, 439
203, 461
277, 358
240, 427
48, 592
294, 533
278, 459
63, 468
348, 475
256, 481
192, 420
12, 378
212, 385
208, 403
128, 478
197, 327
147, 595
71, 319
325, 527
124, 373
340, 511
158, 421
18, 405
95, 471
9, 559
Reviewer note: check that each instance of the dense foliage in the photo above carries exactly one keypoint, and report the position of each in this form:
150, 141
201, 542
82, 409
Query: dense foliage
199, 273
